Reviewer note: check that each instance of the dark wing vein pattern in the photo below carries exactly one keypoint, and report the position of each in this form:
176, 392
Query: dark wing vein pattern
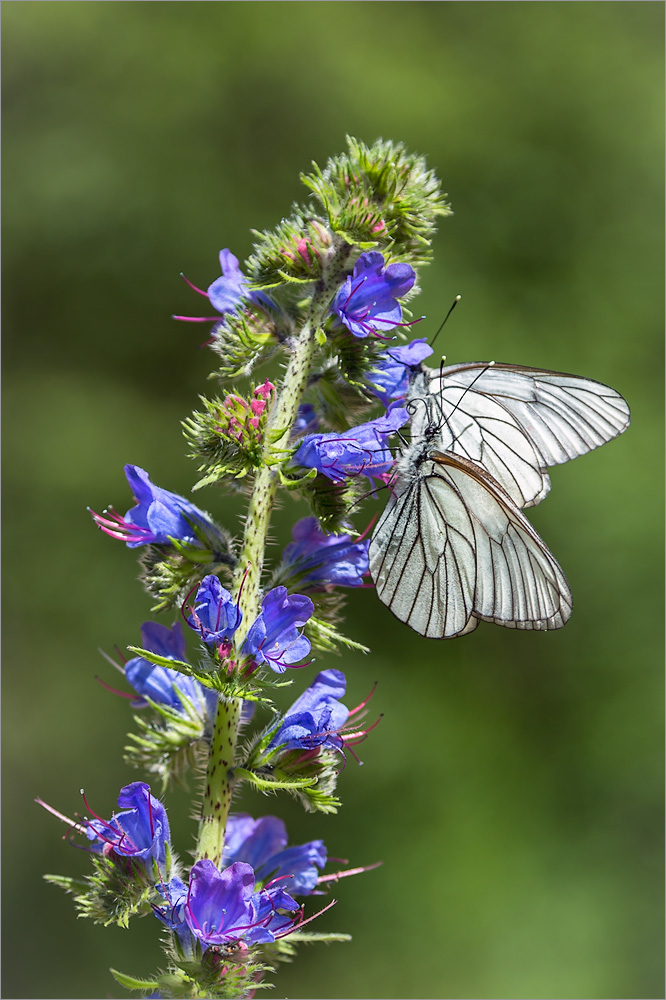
563, 415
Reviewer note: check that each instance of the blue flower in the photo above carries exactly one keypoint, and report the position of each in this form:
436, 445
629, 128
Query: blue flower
173, 914
227, 293
368, 303
140, 832
325, 560
161, 684
262, 843
316, 718
273, 638
216, 616
158, 518
222, 907
390, 378
361, 450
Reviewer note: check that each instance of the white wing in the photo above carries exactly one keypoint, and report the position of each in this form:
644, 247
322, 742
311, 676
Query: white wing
563, 416
452, 547
423, 556
457, 419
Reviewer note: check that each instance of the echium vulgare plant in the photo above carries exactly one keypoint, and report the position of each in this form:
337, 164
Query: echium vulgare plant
324, 295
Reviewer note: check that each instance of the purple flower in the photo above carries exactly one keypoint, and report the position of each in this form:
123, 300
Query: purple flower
215, 617
316, 718
222, 907
361, 450
161, 684
227, 293
159, 516
368, 303
140, 832
273, 637
325, 560
390, 377
262, 843
173, 914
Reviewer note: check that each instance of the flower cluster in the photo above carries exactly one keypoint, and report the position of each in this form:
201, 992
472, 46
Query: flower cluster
273, 638
326, 290
243, 421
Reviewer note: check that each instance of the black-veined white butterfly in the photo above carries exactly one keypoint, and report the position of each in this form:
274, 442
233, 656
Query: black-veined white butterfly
453, 546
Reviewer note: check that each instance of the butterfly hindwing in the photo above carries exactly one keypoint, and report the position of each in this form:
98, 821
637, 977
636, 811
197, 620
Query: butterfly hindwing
452, 547
422, 557
519, 583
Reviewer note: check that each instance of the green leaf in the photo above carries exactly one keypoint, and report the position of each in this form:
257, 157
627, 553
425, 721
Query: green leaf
306, 937
163, 661
133, 983
275, 785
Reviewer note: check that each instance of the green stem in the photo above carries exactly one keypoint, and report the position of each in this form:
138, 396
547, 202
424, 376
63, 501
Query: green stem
246, 584
219, 785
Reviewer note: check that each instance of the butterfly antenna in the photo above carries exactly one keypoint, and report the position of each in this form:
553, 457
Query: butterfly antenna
446, 419
441, 326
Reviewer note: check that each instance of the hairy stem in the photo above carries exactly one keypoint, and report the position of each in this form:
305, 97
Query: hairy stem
219, 787
246, 584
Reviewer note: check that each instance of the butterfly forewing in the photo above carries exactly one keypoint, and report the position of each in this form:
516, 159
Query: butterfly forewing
477, 427
563, 415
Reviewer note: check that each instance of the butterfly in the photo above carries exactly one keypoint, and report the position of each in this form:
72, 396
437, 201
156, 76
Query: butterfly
453, 546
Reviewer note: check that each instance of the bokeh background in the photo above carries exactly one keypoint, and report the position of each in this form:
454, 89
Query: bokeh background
514, 787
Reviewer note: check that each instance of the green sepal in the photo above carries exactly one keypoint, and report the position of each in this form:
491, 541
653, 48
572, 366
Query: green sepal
243, 339
381, 195
168, 751
307, 937
296, 484
66, 882
341, 401
170, 576
330, 502
133, 983
117, 890
273, 784
211, 444
326, 638
291, 254
165, 661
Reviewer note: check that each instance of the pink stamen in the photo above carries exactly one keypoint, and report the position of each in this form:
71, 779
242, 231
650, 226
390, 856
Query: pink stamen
334, 876
121, 694
353, 292
302, 923
364, 703
368, 529
72, 824
188, 282
198, 319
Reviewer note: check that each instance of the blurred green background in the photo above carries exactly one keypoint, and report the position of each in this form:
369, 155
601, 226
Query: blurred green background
514, 787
